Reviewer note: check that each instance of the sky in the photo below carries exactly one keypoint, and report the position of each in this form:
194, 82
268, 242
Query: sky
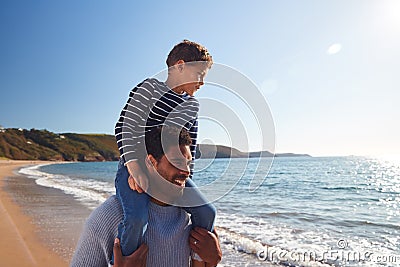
326, 71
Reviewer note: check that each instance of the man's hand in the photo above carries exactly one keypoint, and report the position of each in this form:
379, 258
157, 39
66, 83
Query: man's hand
137, 178
206, 245
136, 259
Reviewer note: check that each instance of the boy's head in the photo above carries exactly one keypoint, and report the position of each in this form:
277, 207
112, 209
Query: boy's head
188, 63
189, 51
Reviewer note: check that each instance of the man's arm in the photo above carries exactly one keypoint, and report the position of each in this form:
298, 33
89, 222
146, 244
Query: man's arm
95, 245
196, 263
206, 245
90, 251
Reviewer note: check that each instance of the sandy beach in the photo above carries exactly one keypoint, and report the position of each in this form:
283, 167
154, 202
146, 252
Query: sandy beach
38, 225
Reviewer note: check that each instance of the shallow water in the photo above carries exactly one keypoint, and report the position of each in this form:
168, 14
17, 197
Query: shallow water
337, 211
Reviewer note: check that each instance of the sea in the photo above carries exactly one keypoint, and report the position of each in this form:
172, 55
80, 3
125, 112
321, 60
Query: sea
303, 211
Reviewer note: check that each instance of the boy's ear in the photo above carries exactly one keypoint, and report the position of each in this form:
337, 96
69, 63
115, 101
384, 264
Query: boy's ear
180, 64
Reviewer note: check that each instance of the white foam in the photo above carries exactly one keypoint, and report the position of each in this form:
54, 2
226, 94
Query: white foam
285, 245
88, 191
273, 254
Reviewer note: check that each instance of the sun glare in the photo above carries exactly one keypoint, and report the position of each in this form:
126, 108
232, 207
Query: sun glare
393, 158
334, 49
390, 13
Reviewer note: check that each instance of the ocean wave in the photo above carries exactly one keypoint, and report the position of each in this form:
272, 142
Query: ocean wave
282, 244
358, 223
340, 188
89, 192
264, 252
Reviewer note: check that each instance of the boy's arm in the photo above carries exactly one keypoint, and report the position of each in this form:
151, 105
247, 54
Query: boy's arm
193, 146
189, 112
130, 128
129, 131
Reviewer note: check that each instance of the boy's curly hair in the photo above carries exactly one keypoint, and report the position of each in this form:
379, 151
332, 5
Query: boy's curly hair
189, 51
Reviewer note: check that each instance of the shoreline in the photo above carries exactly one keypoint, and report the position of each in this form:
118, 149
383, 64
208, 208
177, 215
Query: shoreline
48, 222
39, 225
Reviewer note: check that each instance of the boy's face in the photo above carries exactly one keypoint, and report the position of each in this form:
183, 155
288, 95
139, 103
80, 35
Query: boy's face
192, 76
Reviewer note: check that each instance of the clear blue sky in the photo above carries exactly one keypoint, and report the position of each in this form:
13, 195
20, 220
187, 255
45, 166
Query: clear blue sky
328, 69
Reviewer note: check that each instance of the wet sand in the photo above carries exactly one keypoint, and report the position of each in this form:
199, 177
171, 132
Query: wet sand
38, 225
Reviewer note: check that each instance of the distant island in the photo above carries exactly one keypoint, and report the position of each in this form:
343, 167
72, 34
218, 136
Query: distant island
33, 144
219, 151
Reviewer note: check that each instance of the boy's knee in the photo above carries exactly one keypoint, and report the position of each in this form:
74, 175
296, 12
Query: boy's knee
137, 221
209, 211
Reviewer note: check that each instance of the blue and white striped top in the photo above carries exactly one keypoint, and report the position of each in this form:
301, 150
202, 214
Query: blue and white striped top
150, 104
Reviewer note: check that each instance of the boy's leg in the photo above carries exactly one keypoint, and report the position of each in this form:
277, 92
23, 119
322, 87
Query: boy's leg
135, 209
202, 216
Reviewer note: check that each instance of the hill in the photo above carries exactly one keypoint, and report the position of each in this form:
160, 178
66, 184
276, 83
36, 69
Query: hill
44, 145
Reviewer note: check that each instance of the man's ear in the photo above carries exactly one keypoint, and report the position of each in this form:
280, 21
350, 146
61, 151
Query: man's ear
151, 162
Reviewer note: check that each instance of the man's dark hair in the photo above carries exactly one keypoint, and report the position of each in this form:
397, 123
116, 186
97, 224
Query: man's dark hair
160, 139
189, 51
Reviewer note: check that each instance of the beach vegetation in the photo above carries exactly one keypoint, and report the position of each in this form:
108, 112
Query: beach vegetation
33, 144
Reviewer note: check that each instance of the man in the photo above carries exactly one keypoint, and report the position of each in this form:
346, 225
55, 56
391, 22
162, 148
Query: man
169, 239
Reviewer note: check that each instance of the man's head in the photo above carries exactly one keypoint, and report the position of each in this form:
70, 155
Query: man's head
168, 156
188, 63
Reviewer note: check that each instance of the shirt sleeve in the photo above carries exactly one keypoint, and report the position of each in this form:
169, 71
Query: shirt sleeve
95, 245
185, 116
90, 251
193, 146
130, 128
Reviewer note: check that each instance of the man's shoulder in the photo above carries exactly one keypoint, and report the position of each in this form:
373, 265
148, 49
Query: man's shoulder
106, 216
95, 244
109, 208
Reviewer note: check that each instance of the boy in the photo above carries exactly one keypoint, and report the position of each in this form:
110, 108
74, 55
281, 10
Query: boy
153, 103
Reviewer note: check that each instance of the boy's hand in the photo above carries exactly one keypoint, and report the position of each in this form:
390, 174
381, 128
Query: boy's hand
137, 178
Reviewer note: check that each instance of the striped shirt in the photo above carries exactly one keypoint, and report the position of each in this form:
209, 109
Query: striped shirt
150, 104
